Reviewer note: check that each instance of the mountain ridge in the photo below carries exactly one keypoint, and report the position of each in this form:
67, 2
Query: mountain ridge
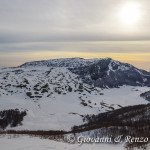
101, 72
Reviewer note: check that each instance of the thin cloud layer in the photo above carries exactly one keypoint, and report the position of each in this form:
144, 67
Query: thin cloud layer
68, 20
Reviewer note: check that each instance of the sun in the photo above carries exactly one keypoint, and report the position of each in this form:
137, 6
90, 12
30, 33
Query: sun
130, 14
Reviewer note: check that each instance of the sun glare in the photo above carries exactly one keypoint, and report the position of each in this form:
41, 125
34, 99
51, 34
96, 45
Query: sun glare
130, 14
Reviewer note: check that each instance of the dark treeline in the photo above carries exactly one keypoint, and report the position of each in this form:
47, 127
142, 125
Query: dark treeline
11, 117
137, 117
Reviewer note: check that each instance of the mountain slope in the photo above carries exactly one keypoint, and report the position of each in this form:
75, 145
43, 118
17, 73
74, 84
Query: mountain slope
54, 98
111, 73
99, 72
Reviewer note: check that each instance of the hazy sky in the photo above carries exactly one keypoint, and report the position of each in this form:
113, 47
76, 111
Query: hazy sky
45, 29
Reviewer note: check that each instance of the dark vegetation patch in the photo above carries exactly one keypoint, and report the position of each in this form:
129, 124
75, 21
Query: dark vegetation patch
131, 120
146, 95
29, 94
84, 104
11, 117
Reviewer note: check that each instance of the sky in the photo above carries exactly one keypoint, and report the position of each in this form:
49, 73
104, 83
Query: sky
46, 29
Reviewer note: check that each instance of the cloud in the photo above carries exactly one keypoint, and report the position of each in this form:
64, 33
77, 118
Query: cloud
89, 47
67, 20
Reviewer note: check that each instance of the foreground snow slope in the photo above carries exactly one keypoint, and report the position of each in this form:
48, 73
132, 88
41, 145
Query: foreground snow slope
30, 143
65, 111
12, 142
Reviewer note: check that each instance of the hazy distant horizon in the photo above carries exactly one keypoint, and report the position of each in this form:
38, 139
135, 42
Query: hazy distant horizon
140, 65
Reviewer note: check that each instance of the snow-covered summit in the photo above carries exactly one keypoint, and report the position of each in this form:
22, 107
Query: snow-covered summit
62, 62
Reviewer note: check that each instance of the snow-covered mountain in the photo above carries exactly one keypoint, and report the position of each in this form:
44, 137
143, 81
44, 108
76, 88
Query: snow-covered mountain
112, 73
57, 94
99, 72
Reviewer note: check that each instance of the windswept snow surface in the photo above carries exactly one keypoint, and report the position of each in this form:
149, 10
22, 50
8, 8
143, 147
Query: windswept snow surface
10, 142
22, 142
59, 99
62, 112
